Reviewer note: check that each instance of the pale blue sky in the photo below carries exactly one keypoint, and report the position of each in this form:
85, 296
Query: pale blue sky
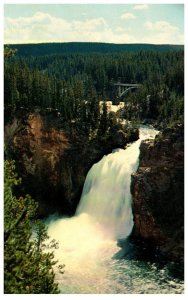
116, 23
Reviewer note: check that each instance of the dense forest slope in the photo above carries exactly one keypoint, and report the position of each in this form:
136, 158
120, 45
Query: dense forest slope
78, 47
75, 83
158, 192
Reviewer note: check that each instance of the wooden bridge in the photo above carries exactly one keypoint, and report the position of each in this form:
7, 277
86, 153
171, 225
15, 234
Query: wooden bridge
123, 88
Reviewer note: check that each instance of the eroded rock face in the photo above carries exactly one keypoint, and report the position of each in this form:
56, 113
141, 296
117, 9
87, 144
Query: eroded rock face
158, 192
53, 162
38, 150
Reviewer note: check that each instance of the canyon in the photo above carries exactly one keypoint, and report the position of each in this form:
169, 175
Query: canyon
53, 163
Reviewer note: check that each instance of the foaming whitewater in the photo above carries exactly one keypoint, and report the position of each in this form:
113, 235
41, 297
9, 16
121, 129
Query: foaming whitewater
106, 194
87, 241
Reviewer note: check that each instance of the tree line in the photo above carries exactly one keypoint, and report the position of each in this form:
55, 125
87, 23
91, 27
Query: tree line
88, 47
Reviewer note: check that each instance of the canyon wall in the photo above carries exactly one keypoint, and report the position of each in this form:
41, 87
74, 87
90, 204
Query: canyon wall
158, 193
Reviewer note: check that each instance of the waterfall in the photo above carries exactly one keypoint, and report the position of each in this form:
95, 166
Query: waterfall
87, 241
106, 194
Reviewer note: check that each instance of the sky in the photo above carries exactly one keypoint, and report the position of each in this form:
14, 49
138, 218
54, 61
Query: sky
111, 23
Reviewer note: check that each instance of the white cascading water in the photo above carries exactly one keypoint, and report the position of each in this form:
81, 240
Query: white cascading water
87, 241
106, 194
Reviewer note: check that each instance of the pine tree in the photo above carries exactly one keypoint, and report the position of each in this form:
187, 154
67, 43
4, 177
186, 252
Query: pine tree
28, 269
8, 52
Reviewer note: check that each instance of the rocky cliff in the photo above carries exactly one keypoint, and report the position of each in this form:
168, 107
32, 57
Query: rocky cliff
158, 193
53, 161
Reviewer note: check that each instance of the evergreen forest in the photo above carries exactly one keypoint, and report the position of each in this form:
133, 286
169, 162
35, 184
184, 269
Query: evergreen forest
73, 84
70, 81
